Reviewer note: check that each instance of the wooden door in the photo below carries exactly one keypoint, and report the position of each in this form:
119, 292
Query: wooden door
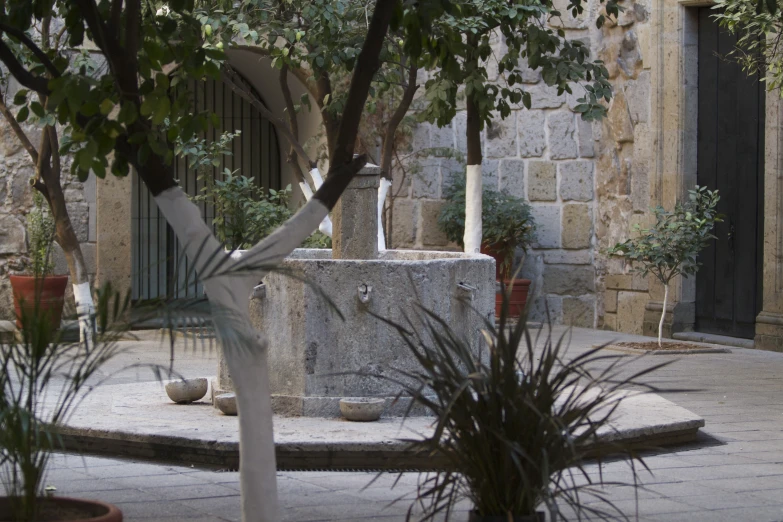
730, 158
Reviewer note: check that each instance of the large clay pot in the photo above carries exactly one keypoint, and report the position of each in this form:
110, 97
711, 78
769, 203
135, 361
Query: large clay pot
64, 509
48, 292
518, 299
475, 517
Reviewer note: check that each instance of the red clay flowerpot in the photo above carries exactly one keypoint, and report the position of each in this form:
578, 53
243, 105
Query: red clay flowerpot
497, 252
64, 509
518, 297
49, 292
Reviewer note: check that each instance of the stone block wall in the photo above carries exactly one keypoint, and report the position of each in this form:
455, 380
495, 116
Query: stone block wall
586, 182
16, 200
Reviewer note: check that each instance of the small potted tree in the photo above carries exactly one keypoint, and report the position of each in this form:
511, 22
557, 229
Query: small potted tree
669, 248
40, 292
507, 224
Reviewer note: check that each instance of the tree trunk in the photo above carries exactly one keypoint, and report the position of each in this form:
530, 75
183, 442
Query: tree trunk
473, 182
663, 313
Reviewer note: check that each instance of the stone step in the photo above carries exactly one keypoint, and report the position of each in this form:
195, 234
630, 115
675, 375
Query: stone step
699, 337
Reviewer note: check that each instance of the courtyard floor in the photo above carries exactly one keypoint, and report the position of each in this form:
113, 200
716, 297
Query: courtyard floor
733, 473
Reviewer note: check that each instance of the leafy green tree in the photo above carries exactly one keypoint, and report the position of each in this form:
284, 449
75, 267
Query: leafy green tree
131, 112
671, 246
31, 119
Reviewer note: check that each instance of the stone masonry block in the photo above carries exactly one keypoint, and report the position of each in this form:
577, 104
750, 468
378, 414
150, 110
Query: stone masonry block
547, 309
585, 129
511, 174
579, 311
545, 97
542, 181
426, 183
637, 94
610, 301
404, 222
576, 180
489, 173
547, 218
431, 234
568, 257
562, 135
630, 312
532, 133
569, 280
577, 226
442, 137
610, 322
626, 282
502, 137
12, 235
80, 220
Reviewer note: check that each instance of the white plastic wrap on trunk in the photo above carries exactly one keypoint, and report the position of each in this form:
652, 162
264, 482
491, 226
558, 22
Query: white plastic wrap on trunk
85, 311
228, 296
326, 225
306, 190
473, 191
383, 190
317, 179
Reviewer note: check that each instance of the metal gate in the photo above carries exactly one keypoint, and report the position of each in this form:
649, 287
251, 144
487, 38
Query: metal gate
158, 268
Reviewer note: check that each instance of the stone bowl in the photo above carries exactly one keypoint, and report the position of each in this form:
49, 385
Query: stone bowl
362, 409
227, 403
187, 390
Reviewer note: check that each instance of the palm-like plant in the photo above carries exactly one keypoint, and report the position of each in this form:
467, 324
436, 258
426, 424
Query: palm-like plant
42, 380
515, 423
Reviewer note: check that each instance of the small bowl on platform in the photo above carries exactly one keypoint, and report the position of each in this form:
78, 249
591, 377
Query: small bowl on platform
227, 403
362, 409
186, 391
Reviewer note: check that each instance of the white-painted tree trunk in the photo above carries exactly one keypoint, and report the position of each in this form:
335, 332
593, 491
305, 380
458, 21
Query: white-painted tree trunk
663, 313
85, 311
473, 192
228, 283
383, 190
326, 225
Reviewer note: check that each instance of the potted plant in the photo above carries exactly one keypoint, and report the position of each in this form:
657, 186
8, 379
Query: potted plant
507, 224
669, 248
43, 379
40, 292
515, 423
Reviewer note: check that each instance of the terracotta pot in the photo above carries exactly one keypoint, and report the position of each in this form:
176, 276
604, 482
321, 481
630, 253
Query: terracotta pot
70, 510
540, 516
496, 251
518, 297
45, 296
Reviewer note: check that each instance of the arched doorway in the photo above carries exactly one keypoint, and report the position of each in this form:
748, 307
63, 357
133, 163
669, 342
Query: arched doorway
157, 267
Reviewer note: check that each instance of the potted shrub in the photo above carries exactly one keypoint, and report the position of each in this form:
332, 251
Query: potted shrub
40, 292
507, 224
43, 379
670, 247
514, 424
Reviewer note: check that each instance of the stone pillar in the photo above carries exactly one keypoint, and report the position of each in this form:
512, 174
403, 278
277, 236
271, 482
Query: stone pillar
355, 217
769, 322
113, 231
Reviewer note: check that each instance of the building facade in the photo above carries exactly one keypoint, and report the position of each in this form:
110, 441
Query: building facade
679, 117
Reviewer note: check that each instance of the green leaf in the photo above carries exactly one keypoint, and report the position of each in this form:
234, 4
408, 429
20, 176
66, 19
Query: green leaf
22, 115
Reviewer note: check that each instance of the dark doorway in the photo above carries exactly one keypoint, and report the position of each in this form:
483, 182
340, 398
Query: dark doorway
158, 269
731, 159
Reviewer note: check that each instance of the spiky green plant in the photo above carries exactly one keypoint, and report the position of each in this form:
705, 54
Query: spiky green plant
40, 231
515, 424
42, 380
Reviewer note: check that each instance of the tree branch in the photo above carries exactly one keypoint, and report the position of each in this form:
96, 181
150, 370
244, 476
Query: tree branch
22, 37
396, 119
18, 131
22, 75
232, 79
132, 21
293, 124
116, 13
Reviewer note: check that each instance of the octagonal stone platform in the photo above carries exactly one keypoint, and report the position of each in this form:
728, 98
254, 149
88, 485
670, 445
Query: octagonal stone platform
138, 420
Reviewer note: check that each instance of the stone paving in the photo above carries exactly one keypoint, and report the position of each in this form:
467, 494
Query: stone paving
734, 472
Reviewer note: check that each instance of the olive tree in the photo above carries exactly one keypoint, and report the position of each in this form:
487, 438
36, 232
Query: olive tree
670, 247
129, 116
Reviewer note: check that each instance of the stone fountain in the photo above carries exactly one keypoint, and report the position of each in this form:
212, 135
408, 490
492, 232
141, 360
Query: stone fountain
315, 357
